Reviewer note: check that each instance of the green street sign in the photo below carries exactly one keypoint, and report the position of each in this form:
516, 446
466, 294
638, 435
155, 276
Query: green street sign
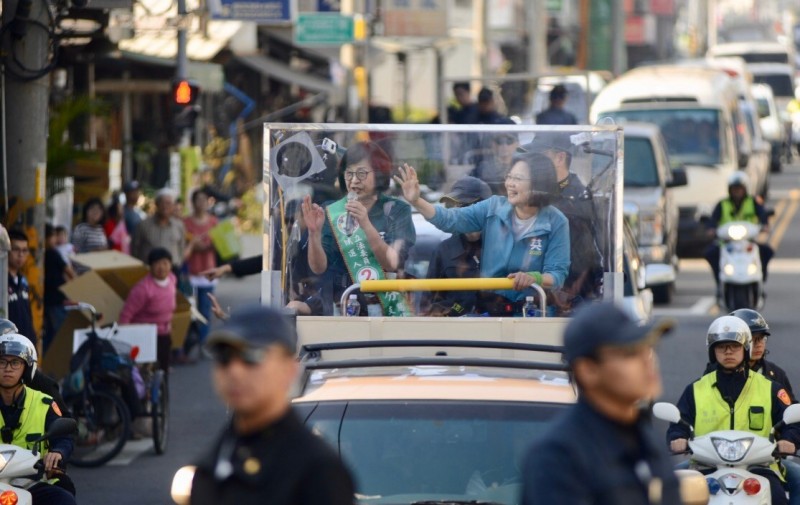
323, 29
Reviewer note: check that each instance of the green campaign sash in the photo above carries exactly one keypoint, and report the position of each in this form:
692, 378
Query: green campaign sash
362, 265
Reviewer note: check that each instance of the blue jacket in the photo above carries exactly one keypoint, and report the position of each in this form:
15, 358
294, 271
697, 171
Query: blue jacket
544, 249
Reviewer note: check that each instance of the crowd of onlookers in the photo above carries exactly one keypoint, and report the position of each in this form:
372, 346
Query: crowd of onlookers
176, 247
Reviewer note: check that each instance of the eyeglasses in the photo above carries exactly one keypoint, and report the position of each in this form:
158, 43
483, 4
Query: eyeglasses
516, 178
728, 347
504, 141
13, 364
360, 174
223, 355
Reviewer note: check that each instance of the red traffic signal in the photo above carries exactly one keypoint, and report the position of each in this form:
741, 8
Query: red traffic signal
185, 92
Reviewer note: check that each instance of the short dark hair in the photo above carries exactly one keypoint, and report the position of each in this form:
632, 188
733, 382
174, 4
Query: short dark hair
49, 230
158, 254
61, 228
464, 85
91, 203
199, 191
559, 92
17, 234
543, 177
485, 95
378, 159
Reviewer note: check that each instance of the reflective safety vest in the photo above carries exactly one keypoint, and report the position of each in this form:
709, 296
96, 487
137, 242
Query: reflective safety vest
32, 419
751, 412
746, 212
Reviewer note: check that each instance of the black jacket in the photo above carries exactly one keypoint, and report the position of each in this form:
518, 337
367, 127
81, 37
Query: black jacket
284, 464
585, 458
454, 258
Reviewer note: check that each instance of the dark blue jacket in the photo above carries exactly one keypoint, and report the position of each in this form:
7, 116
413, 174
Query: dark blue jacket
584, 458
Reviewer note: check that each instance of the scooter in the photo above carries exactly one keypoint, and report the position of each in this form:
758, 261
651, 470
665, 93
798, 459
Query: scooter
20, 469
740, 278
733, 453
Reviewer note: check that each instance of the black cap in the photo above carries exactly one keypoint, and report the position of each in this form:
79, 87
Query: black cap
559, 92
606, 325
255, 326
467, 190
545, 141
131, 186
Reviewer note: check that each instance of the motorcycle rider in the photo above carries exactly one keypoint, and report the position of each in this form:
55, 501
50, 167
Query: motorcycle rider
27, 414
739, 206
712, 402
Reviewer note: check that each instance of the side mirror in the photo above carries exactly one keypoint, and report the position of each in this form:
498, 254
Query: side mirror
678, 178
181, 490
61, 427
792, 414
693, 487
667, 412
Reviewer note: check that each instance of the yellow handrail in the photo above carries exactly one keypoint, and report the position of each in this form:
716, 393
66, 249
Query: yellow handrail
465, 284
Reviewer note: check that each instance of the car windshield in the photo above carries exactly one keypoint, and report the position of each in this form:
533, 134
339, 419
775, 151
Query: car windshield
640, 163
414, 451
781, 84
692, 135
763, 107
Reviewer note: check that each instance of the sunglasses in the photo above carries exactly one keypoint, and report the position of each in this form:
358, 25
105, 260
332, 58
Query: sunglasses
223, 355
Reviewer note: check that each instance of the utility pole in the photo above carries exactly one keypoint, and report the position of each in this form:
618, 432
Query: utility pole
181, 62
26, 89
537, 36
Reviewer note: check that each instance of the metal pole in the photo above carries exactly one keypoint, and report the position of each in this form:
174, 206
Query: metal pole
127, 131
619, 57
181, 62
5, 247
537, 36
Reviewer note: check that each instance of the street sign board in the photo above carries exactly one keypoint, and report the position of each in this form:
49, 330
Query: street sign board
263, 12
323, 29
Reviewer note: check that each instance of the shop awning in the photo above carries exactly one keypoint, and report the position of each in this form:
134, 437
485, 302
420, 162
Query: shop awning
275, 69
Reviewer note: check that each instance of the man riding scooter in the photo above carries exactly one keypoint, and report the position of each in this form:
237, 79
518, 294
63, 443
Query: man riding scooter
739, 206
733, 396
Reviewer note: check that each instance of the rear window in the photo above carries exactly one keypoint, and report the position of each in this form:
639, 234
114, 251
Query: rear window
641, 169
781, 84
765, 57
404, 452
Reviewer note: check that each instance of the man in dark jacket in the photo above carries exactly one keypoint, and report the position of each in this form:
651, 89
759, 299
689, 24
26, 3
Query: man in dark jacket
604, 449
556, 114
265, 454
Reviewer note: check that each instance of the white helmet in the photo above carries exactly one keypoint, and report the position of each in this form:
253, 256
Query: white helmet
739, 178
14, 344
728, 329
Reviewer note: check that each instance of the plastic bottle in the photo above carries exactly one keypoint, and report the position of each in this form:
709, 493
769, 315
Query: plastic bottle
353, 308
529, 309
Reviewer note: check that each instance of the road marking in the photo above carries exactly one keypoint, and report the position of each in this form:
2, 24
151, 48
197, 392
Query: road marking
785, 219
132, 450
704, 306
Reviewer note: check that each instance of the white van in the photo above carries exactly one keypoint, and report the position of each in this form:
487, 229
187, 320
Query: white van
755, 52
696, 111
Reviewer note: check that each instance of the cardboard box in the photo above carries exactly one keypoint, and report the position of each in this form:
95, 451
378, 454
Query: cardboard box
110, 278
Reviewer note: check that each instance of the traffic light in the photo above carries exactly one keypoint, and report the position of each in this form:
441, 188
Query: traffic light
185, 92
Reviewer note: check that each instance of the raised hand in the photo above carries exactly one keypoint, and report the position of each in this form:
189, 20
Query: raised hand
407, 179
313, 215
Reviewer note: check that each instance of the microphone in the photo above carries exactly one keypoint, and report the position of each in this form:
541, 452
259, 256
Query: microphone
350, 224
584, 140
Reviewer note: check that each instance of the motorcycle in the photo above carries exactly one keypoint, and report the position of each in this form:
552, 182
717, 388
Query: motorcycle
733, 454
20, 469
740, 277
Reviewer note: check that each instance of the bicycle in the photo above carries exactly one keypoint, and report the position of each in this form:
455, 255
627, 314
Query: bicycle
101, 393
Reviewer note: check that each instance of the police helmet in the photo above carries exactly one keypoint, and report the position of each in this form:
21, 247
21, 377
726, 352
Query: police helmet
14, 344
754, 320
7, 326
727, 329
739, 178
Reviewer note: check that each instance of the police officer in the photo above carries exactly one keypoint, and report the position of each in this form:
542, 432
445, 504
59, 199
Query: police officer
556, 114
265, 454
735, 396
603, 450
28, 414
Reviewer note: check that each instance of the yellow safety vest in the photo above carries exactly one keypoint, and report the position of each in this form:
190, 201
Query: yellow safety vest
32, 419
751, 412
746, 212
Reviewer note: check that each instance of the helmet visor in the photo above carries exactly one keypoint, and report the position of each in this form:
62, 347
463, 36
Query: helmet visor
17, 349
727, 336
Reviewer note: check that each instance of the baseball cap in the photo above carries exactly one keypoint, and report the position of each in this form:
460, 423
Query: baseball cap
254, 327
545, 141
467, 190
606, 325
131, 186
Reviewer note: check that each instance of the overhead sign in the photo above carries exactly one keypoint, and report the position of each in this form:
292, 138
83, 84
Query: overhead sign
323, 29
415, 18
264, 12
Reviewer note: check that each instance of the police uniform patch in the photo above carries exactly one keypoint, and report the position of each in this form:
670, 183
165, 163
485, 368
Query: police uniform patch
784, 397
57, 410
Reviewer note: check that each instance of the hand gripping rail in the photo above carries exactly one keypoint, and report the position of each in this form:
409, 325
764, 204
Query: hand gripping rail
468, 284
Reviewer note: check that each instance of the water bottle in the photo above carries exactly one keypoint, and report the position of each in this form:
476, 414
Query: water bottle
529, 309
353, 308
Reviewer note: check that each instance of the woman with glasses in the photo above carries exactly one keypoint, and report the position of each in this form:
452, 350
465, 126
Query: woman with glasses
364, 236
527, 238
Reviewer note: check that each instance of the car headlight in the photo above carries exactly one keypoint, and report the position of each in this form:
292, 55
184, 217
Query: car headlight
737, 232
732, 450
5, 458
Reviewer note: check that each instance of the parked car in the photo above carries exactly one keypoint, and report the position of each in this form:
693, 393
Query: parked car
649, 180
772, 126
434, 428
